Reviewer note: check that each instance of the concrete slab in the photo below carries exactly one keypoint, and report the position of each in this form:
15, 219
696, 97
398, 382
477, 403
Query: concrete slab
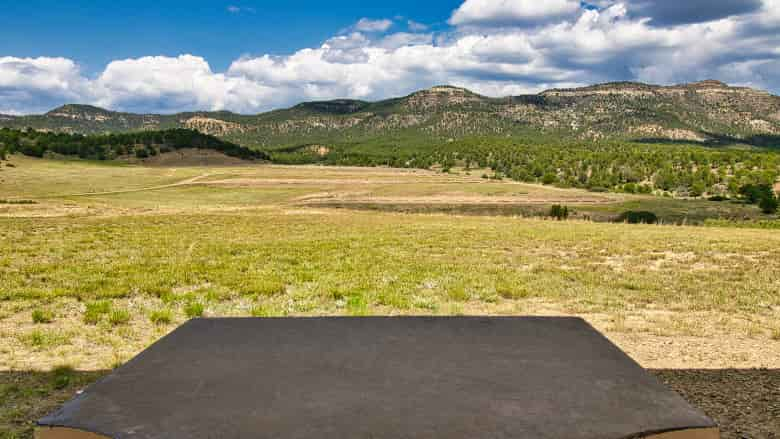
380, 378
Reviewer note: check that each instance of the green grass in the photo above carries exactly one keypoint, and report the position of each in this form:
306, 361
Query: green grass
42, 316
259, 249
194, 309
161, 316
95, 310
38, 339
118, 317
28, 396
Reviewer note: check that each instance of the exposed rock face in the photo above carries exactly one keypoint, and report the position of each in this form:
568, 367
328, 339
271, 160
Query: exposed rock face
320, 150
81, 112
440, 96
214, 127
657, 131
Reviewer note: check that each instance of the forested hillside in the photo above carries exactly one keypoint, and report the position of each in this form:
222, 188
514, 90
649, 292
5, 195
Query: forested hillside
140, 144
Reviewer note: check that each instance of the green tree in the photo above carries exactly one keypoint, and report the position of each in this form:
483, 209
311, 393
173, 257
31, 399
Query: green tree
549, 178
559, 212
769, 205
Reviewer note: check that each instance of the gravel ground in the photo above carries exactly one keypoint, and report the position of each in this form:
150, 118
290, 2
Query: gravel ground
744, 402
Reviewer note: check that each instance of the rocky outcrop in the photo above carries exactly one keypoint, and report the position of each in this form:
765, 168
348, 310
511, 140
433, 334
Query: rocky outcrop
214, 127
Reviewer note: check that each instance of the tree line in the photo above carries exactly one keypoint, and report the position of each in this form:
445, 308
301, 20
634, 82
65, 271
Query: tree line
110, 146
670, 170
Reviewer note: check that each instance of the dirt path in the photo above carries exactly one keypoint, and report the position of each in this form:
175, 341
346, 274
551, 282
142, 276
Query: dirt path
185, 182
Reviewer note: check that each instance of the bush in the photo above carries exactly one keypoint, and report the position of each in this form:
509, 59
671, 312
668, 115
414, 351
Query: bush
549, 178
637, 217
141, 153
718, 198
18, 202
768, 205
559, 212
42, 316
161, 316
754, 193
194, 309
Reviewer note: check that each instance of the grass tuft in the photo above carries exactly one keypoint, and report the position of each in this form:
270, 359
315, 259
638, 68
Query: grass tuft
38, 339
458, 293
42, 316
95, 310
62, 377
119, 317
193, 310
161, 316
262, 287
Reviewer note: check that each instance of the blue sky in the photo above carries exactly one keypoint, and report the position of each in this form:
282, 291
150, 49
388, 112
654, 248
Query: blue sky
96, 32
251, 56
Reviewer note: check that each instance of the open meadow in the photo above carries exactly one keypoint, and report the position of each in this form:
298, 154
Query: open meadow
97, 261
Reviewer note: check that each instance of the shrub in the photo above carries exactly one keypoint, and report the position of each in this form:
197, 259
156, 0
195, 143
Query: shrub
559, 212
194, 309
754, 193
768, 205
42, 316
161, 316
718, 198
637, 217
119, 317
18, 202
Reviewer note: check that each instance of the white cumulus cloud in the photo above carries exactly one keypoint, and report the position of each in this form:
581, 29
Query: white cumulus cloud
490, 12
368, 25
36, 84
580, 47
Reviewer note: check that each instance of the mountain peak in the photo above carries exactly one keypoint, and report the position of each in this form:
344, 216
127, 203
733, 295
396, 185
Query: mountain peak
446, 90
335, 106
708, 83
440, 95
77, 108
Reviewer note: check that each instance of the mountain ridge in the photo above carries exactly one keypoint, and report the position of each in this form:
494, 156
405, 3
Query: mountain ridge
699, 112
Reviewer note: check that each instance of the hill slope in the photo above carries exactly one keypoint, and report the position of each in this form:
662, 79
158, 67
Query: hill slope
703, 112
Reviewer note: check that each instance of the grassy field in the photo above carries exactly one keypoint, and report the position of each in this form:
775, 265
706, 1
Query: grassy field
104, 259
